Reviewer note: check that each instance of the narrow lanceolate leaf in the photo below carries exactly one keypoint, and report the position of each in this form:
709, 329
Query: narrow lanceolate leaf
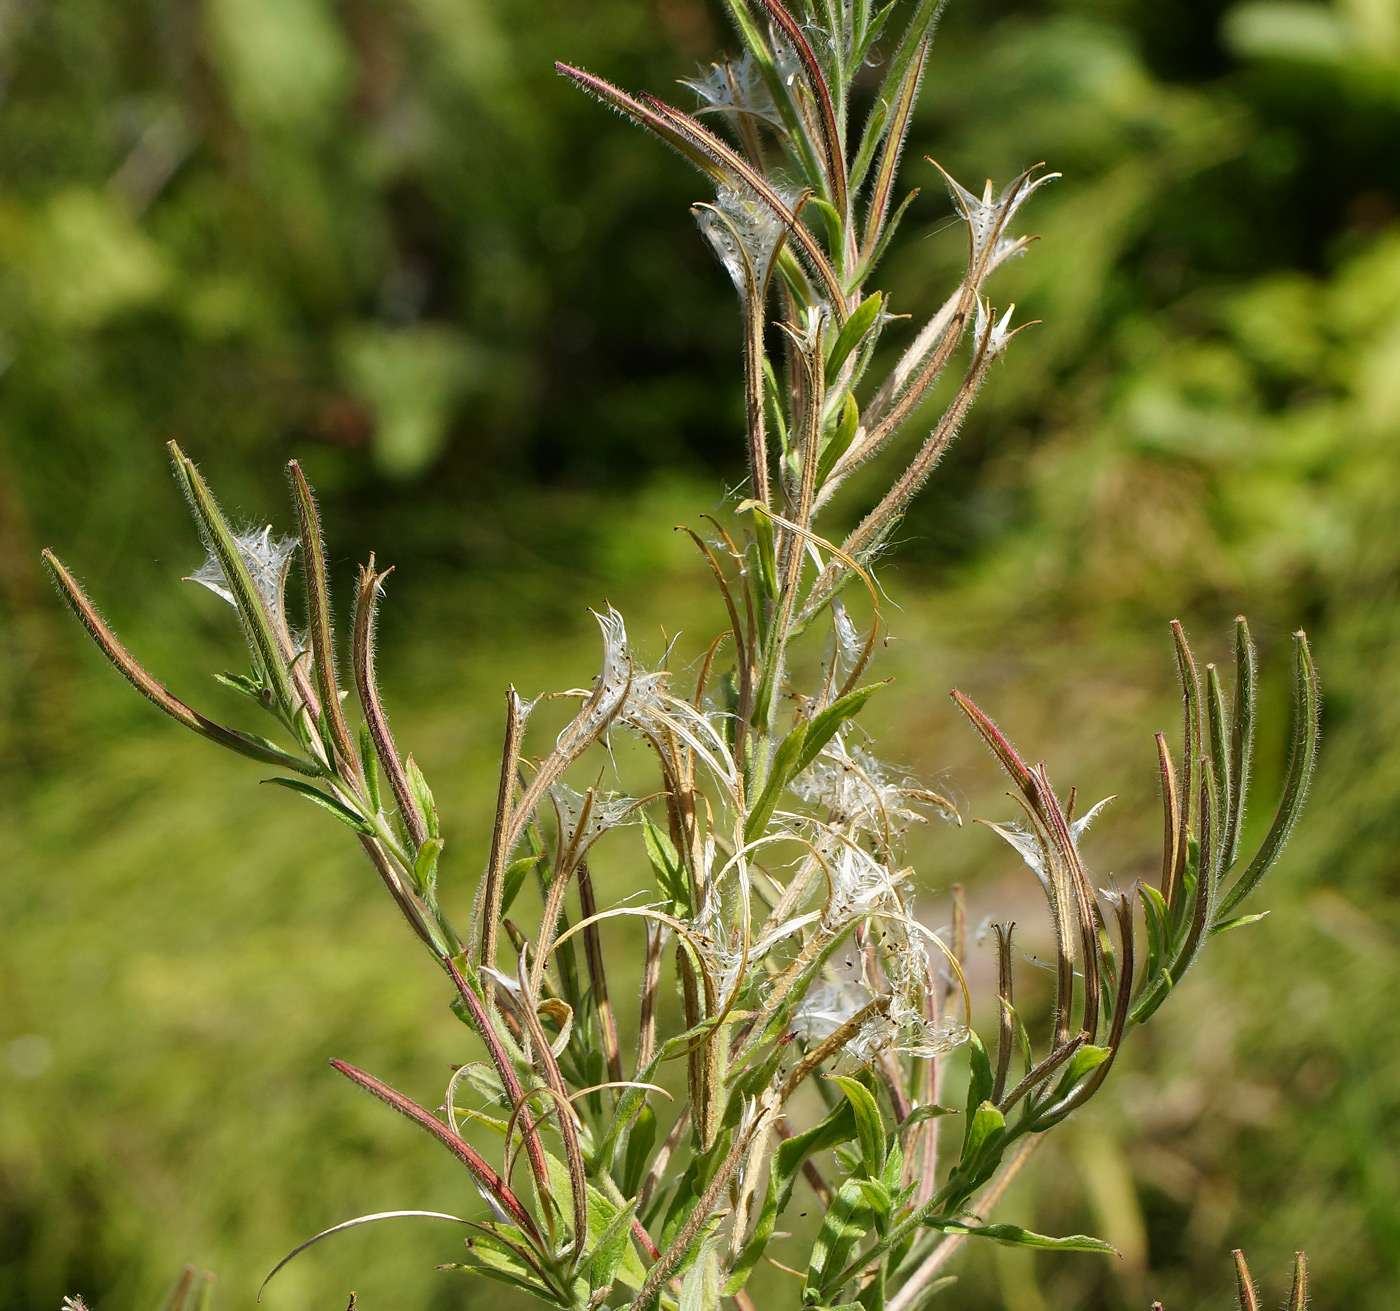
157, 693
870, 1127
792, 1154
1303, 759
611, 1247
700, 1289
985, 1129
1224, 926
825, 725
490, 1257
252, 608
492, 1186
853, 333
667, 866
910, 45
1015, 1236
1085, 1059
848, 1220
780, 774
334, 805
318, 613
422, 795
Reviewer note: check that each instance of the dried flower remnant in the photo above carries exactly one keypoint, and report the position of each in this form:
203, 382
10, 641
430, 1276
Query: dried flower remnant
779, 902
267, 558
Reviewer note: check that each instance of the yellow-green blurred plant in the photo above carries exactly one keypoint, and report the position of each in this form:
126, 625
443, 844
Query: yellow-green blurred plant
191, 1292
773, 831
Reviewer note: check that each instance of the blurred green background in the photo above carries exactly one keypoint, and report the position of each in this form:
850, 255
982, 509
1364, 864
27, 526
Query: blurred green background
381, 236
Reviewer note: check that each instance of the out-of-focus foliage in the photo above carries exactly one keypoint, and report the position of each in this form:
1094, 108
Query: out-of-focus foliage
381, 233
382, 237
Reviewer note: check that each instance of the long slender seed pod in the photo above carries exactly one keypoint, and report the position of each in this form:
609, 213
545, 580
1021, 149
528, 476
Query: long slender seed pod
491, 1184
318, 611
367, 685
488, 905
597, 975
505, 1070
1249, 1295
156, 692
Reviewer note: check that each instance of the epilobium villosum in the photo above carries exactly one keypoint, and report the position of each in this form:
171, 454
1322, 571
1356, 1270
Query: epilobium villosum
772, 830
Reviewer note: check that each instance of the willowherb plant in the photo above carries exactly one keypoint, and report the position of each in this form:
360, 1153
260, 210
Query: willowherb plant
773, 832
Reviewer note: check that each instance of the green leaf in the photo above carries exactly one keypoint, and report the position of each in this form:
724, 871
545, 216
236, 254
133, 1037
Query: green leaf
869, 1126
870, 138
824, 725
783, 769
259, 748
831, 220
249, 687
1084, 1060
1154, 911
838, 1127
1224, 926
611, 1247
422, 795
1220, 756
369, 764
796, 751
339, 809
637, 1157
878, 1198
981, 1079
700, 1290
516, 873
601, 1214
848, 1220
1015, 1236
767, 553
839, 440
494, 1260
853, 332
984, 1130
426, 862
666, 865
894, 1166
921, 1113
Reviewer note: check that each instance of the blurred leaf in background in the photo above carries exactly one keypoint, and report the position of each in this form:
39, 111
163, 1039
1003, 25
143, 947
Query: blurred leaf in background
379, 236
